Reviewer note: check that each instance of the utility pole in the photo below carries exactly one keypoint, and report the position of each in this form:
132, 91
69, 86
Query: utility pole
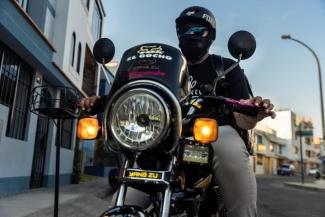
301, 154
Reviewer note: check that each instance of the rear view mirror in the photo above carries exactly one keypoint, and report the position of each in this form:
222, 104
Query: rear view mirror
104, 50
241, 45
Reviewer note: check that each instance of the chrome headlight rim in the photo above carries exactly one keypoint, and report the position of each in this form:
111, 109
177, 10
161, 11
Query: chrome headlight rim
132, 92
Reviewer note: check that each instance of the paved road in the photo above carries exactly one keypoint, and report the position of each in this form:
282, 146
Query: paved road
277, 200
90, 199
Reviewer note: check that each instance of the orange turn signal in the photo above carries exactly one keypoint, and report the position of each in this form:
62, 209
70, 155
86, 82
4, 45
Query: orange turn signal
205, 130
87, 128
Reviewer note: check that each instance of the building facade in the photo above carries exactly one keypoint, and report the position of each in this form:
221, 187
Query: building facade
278, 141
42, 42
269, 151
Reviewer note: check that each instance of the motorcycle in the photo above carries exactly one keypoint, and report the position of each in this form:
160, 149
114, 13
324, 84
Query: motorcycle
154, 124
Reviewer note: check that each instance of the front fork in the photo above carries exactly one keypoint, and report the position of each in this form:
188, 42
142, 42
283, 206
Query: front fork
165, 203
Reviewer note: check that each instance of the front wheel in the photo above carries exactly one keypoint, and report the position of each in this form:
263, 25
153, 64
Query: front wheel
113, 179
129, 211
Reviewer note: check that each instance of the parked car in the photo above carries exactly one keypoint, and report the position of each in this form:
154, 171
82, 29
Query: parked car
314, 172
285, 170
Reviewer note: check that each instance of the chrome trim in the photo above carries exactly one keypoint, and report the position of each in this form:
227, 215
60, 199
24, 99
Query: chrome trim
162, 134
120, 198
166, 202
176, 104
121, 195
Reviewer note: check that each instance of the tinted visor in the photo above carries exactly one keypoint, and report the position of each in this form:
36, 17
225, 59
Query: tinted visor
192, 30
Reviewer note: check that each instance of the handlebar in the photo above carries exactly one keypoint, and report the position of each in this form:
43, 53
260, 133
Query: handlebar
241, 107
233, 105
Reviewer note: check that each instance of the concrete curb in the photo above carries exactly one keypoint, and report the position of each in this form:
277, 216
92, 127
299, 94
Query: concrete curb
308, 186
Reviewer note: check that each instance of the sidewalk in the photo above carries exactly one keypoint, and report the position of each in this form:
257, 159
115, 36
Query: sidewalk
85, 199
318, 185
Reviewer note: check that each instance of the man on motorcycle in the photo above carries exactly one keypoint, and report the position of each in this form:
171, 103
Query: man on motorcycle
196, 30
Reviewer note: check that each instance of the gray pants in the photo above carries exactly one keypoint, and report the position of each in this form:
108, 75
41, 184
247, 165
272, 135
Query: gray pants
233, 172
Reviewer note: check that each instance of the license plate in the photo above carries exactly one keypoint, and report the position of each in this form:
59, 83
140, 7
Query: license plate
142, 174
196, 154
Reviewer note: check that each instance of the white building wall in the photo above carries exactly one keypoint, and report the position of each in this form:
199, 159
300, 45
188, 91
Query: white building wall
259, 170
20, 163
284, 124
71, 16
59, 32
78, 19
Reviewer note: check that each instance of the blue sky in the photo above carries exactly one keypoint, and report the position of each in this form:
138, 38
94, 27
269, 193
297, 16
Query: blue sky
283, 71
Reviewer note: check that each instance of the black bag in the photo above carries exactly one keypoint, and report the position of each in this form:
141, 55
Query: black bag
222, 85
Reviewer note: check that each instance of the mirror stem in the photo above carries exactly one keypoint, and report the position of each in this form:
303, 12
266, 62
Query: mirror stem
107, 70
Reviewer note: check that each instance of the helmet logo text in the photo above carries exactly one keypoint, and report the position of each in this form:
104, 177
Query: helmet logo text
189, 13
150, 49
207, 18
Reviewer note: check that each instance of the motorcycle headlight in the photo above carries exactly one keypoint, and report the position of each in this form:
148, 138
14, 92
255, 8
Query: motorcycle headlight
139, 119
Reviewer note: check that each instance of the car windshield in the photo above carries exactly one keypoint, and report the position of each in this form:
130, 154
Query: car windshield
285, 166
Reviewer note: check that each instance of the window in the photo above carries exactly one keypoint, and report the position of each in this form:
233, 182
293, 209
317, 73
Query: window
259, 139
259, 159
308, 140
97, 22
72, 48
67, 127
49, 25
15, 85
89, 82
261, 148
79, 57
296, 150
272, 147
23, 4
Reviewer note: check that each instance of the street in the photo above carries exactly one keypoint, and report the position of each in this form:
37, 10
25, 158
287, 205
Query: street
276, 199
90, 199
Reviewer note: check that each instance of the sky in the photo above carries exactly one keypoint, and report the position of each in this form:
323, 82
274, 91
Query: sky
281, 70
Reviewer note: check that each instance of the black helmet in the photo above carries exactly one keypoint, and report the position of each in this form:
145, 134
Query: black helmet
199, 15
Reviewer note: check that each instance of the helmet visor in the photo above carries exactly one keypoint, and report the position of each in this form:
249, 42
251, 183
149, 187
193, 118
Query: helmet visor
190, 30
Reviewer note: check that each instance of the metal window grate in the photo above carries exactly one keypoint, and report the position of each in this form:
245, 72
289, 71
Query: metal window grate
15, 85
89, 82
67, 127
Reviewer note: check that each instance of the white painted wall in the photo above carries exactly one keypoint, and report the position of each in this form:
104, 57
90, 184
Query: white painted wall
71, 16
16, 156
59, 32
78, 19
259, 170
284, 125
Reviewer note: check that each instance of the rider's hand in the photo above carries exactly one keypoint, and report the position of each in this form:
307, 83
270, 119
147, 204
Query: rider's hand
89, 102
265, 110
